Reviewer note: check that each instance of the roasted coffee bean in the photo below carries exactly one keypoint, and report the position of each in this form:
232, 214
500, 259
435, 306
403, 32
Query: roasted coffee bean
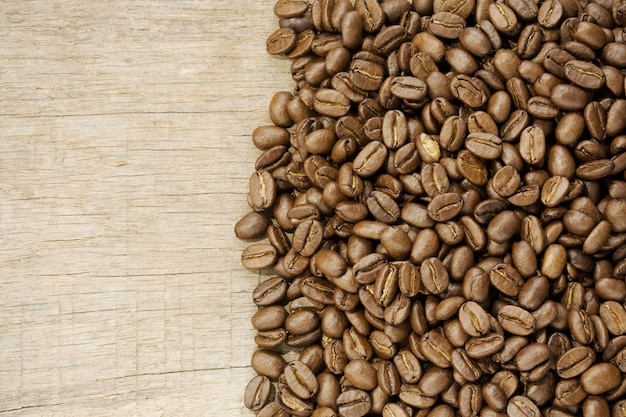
600, 378
516, 320
471, 91
521, 406
331, 103
257, 392
446, 206
471, 168
446, 25
271, 291
484, 145
370, 159
259, 256
474, 319
568, 97
506, 279
584, 74
484, 346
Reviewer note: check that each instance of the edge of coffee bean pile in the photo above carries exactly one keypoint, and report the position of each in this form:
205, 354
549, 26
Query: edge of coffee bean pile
438, 211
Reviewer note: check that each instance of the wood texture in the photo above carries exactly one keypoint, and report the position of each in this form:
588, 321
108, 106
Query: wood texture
124, 158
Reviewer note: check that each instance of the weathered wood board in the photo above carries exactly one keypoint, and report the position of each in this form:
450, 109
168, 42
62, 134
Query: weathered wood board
125, 154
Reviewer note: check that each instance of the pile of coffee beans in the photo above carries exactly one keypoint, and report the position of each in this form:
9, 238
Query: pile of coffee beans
439, 211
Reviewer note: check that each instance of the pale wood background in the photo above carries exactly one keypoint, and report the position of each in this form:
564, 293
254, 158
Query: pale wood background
124, 158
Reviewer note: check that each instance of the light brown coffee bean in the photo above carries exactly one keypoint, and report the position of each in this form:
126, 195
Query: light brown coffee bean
503, 18
516, 320
568, 97
257, 392
600, 378
484, 145
445, 206
554, 190
584, 74
409, 88
268, 363
474, 319
484, 346
436, 348
521, 406
506, 279
471, 91
446, 25
471, 168
613, 315
575, 361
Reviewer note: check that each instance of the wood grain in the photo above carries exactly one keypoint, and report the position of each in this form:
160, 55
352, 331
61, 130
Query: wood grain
124, 159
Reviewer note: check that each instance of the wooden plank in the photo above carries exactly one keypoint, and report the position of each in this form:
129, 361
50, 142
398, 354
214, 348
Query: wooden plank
124, 159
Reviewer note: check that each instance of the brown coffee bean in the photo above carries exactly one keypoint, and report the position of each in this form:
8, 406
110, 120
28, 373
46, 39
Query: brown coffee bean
331, 103
413, 396
445, 206
436, 348
394, 409
446, 25
503, 18
550, 13
516, 320
484, 145
259, 256
568, 97
268, 363
301, 380
484, 346
361, 374
600, 378
613, 315
270, 291
383, 207
475, 41
471, 168
372, 14
409, 88
282, 41
474, 319
575, 361
521, 406
554, 190
382, 345
257, 392
471, 91
370, 159
506, 279
434, 275
584, 74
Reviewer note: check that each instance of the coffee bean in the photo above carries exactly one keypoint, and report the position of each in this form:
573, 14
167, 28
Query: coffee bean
484, 145
471, 91
613, 315
584, 74
484, 346
503, 18
506, 279
600, 378
521, 406
332, 103
516, 320
474, 319
568, 97
257, 392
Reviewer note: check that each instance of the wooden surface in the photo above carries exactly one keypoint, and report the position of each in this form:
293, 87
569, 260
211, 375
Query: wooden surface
124, 158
